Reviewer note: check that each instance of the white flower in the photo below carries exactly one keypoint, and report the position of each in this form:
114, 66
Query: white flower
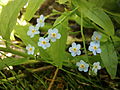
30, 49
94, 47
75, 49
82, 66
96, 36
43, 42
53, 34
40, 21
32, 31
9, 68
96, 67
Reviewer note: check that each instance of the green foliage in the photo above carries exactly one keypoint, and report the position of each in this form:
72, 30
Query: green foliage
32, 7
11, 62
97, 15
62, 1
109, 58
79, 15
97, 3
57, 49
86, 22
8, 17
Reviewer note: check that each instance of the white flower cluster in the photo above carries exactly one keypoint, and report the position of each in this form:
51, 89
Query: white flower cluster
53, 34
43, 42
83, 66
94, 47
95, 44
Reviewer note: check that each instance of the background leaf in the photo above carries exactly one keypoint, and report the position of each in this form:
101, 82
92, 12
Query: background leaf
9, 16
109, 58
62, 1
97, 15
32, 7
11, 62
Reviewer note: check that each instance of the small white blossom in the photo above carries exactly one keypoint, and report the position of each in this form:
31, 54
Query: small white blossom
94, 47
96, 36
82, 66
40, 21
75, 49
96, 67
43, 42
32, 31
9, 68
53, 34
30, 49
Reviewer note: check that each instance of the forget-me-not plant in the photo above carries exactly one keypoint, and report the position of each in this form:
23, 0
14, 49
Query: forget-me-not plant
96, 36
40, 21
32, 31
30, 49
96, 67
43, 42
53, 34
94, 47
82, 66
75, 49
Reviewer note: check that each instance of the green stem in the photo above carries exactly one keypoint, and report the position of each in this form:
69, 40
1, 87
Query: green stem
65, 17
83, 37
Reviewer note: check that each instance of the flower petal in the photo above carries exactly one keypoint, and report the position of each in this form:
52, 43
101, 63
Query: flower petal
98, 50
73, 54
80, 69
55, 30
78, 64
73, 44
78, 52
53, 39
58, 36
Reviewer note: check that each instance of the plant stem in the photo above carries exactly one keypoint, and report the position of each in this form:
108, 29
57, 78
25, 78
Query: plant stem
52, 82
83, 37
66, 16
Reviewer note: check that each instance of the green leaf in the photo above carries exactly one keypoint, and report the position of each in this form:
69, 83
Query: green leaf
11, 62
97, 3
57, 49
32, 7
62, 1
21, 31
86, 22
117, 19
9, 16
95, 14
109, 58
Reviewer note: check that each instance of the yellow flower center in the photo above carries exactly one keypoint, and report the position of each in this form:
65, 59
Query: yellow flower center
53, 34
33, 31
95, 66
94, 47
43, 42
40, 21
30, 49
74, 49
97, 38
82, 66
